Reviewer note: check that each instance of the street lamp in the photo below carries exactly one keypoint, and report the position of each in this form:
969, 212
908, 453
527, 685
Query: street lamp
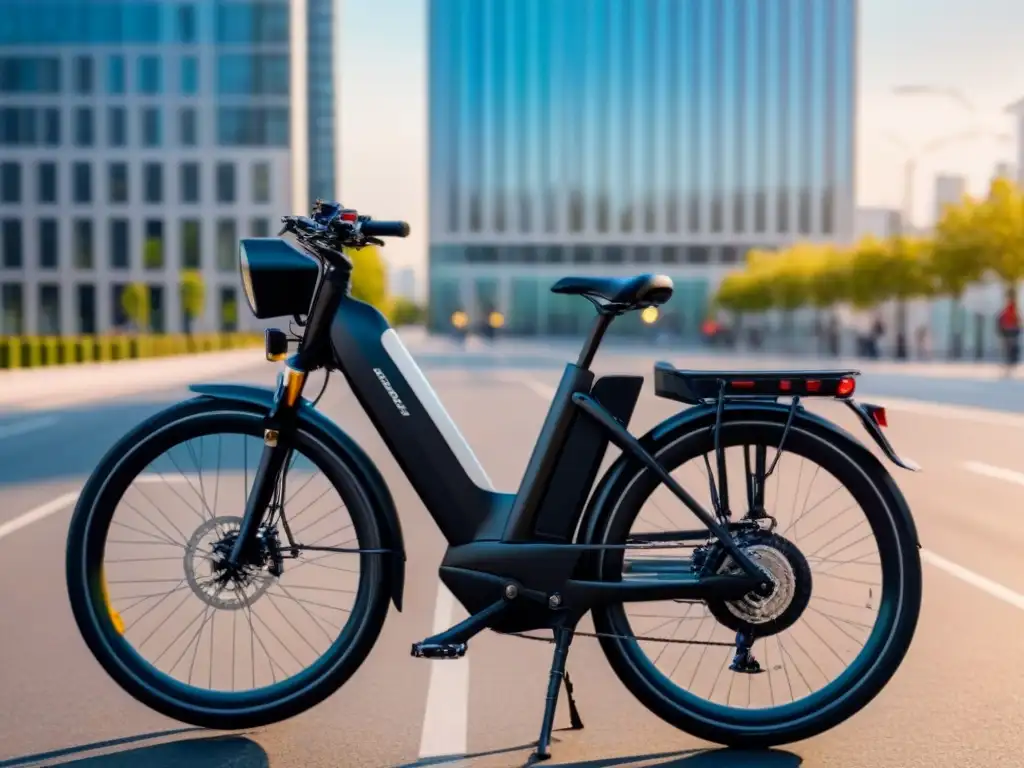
915, 155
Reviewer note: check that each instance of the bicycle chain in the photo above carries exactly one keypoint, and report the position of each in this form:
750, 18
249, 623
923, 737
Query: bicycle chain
613, 636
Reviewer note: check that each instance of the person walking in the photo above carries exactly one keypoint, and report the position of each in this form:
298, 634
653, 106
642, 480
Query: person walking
1009, 329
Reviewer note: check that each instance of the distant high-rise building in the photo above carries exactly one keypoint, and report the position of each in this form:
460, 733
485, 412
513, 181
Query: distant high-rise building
598, 137
403, 283
877, 222
1004, 170
1017, 110
140, 138
949, 190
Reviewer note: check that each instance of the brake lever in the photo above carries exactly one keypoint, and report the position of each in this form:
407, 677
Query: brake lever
374, 241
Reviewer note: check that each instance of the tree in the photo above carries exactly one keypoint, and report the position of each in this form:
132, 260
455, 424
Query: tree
193, 297
369, 276
406, 312
827, 286
866, 273
956, 261
229, 316
1000, 226
909, 278
785, 278
135, 303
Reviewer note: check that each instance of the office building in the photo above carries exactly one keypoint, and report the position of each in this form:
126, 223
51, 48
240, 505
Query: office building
949, 190
402, 283
606, 137
141, 138
877, 222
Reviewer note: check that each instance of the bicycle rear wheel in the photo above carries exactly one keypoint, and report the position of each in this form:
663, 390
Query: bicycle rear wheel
164, 617
819, 660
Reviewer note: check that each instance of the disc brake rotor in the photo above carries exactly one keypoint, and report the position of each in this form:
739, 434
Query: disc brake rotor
207, 573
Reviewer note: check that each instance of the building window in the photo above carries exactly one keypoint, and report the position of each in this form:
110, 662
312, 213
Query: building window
47, 179
115, 75
252, 126
10, 182
83, 127
149, 76
228, 309
28, 74
191, 257
51, 126
186, 27
259, 228
188, 129
252, 23
49, 309
81, 183
153, 182
83, 74
86, 309
157, 310
261, 182
49, 244
189, 182
252, 74
227, 245
120, 247
10, 236
151, 133
81, 244
117, 126
18, 126
153, 245
117, 182
14, 309
225, 183
189, 76
117, 312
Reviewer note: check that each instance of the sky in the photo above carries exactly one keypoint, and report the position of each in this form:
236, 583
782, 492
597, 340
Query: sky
971, 47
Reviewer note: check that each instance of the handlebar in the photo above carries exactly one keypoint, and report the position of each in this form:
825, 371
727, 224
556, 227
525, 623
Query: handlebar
334, 228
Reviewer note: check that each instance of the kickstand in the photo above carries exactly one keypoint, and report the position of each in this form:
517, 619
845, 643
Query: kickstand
563, 637
574, 713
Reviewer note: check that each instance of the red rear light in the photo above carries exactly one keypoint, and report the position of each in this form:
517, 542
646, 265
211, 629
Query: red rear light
813, 385
785, 385
878, 414
846, 387
743, 384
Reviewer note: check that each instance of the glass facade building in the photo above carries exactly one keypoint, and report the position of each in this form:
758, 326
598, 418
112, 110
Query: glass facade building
142, 137
620, 136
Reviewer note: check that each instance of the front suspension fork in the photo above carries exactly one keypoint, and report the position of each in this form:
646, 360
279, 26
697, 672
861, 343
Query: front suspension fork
272, 459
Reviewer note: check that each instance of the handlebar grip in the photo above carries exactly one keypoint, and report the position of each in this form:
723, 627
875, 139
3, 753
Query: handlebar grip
373, 228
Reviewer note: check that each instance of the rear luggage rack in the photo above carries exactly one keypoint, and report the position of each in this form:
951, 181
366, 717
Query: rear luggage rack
697, 387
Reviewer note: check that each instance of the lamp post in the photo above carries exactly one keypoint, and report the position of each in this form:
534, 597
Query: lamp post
913, 157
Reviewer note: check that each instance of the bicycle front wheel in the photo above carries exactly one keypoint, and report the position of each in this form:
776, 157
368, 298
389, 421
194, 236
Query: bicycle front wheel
840, 620
190, 637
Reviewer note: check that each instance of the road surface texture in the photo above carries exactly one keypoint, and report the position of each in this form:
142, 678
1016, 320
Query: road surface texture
958, 699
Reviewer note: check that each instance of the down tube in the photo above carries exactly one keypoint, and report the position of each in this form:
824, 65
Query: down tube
411, 420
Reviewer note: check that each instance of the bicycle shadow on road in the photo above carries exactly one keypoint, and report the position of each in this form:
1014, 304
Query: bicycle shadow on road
689, 758
203, 752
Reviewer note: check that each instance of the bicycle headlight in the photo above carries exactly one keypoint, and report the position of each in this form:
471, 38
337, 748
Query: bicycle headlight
243, 266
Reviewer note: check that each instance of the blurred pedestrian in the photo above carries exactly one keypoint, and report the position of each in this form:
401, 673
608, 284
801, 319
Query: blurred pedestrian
1009, 329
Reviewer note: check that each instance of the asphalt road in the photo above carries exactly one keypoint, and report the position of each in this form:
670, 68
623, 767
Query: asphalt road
958, 700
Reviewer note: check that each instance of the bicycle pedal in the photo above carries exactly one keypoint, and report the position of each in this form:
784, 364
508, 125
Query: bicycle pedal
439, 650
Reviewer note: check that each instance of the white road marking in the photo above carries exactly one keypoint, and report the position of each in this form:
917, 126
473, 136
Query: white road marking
446, 721
41, 512
27, 425
999, 473
976, 580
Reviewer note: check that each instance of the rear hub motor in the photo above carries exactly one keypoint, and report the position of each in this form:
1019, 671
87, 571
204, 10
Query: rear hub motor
789, 573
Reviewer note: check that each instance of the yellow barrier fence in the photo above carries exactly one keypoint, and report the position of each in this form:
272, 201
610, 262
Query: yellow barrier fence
42, 351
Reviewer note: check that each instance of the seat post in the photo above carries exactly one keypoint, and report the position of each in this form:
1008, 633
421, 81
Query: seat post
593, 341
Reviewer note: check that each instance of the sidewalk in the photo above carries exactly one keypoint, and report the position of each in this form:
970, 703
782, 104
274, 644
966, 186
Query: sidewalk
562, 349
37, 388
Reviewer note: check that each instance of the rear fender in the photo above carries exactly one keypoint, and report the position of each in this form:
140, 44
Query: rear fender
347, 451
625, 469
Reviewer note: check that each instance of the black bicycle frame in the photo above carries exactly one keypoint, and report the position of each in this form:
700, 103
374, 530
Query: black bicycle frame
497, 541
